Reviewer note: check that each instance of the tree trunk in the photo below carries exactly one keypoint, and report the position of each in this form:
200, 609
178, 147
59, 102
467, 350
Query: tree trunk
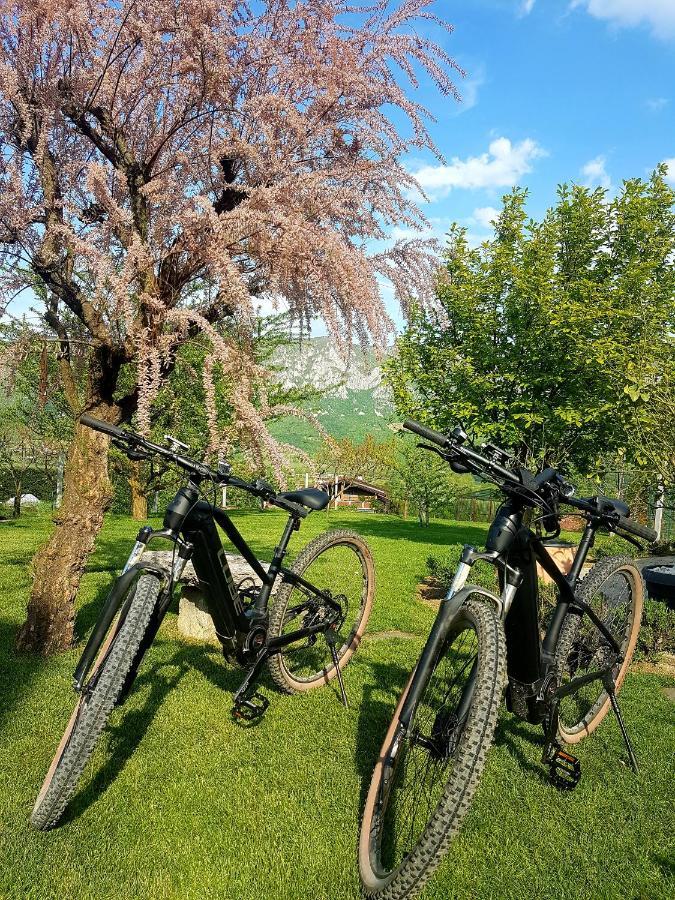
58, 565
139, 502
16, 511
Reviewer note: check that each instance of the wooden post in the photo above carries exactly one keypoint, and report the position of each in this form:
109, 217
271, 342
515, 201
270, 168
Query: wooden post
306, 479
658, 508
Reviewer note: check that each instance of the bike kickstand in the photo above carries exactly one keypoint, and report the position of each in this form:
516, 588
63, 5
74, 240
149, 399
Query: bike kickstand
336, 663
611, 691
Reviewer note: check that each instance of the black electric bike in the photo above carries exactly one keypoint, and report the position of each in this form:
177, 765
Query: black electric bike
305, 633
434, 752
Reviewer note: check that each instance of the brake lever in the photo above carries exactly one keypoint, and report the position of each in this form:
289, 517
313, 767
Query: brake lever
625, 537
433, 449
129, 450
137, 455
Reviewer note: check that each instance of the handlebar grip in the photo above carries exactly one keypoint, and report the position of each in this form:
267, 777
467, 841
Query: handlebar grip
641, 531
427, 433
105, 427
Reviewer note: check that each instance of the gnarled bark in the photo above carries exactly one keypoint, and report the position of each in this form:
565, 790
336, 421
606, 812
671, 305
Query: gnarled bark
58, 565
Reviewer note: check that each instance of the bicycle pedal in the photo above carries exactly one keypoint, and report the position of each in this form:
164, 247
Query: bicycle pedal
250, 708
564, 770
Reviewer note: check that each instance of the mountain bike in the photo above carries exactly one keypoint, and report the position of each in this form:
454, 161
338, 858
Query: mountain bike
564, 677
305, 633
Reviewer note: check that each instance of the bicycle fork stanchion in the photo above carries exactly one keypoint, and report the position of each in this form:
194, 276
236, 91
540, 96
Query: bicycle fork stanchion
610, 687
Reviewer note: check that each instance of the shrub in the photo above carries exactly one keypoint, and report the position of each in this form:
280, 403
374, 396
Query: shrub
657, 634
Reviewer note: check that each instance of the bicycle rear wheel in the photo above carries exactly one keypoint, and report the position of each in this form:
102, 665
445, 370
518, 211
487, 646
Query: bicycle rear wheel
339, 563
426, 776
613, 589
96, 702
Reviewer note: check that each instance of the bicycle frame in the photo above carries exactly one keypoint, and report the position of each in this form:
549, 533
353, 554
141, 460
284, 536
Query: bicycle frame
515, 550
190, 524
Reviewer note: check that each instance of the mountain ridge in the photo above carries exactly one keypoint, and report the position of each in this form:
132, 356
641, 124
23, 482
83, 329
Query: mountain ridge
354, 399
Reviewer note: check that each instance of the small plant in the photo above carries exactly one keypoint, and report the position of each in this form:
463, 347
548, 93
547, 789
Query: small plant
657, 634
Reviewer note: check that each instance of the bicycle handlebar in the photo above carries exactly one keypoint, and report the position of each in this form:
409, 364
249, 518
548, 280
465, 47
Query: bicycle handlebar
524, 483
136, 442
105, 427
641, 531
476, 461
427, 433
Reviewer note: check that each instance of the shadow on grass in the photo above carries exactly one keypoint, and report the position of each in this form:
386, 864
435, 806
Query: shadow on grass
510, 733
665, 863
380, 695
125, 736
17, 671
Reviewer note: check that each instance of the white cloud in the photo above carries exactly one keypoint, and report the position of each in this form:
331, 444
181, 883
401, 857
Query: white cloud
656, 104
659, 14
398, 233
670, 163
502, 166
469, 91
596, 174
485, 216
526, 7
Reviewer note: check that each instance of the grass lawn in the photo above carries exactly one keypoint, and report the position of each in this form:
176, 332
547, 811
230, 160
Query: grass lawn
180, 801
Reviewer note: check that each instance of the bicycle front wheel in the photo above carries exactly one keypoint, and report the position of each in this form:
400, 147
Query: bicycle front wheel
613, 590
340, 564
426, 776
96, 702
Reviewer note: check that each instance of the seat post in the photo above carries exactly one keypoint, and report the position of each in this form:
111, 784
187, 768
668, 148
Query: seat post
277, 559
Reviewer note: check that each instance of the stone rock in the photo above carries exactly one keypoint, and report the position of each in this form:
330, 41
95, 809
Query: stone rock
194, 619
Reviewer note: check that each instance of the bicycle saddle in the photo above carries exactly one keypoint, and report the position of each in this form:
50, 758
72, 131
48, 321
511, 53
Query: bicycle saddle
312, 498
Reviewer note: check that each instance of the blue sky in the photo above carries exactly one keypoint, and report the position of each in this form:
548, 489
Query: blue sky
577, 96
556, 90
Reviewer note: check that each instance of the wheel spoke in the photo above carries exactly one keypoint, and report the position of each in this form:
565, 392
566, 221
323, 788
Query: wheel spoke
428, 752
340, 571
612, 601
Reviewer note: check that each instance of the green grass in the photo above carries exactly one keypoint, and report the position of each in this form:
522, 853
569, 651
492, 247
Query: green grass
181, 802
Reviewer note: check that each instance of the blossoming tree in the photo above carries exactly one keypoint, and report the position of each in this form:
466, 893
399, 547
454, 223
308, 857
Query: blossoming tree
163, 163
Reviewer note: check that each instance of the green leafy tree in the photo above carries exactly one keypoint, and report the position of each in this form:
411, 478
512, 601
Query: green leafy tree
423, 479
369, 459
554, 337
35, 425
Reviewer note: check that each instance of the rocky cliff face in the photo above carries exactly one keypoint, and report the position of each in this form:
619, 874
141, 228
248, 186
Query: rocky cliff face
354, 402
317, 363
